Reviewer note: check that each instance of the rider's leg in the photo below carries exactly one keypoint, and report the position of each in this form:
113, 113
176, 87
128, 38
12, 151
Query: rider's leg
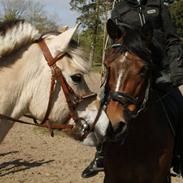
96, 165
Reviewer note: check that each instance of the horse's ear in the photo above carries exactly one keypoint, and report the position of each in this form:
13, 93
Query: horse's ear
113, 30
64, 38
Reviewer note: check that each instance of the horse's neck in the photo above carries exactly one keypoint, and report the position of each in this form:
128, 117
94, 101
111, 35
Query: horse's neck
15, 78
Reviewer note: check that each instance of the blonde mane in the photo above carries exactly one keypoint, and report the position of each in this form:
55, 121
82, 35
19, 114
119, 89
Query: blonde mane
18, 33
79, 57
15, 34
78, 54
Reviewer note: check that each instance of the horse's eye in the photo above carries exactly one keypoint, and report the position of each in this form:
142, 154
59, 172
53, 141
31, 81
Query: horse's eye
76, 78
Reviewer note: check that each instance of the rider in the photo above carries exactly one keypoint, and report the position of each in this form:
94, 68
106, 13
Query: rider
166, 44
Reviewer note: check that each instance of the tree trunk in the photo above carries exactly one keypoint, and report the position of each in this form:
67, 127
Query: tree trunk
95, 31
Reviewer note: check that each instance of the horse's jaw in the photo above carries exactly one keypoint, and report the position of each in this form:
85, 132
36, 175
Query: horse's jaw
97, 134
91, 140
96, 137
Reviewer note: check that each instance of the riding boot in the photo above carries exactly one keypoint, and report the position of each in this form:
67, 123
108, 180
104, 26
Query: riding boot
96, 165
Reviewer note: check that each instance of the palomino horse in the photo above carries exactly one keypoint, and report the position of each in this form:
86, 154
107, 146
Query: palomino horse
139, 142
44, 77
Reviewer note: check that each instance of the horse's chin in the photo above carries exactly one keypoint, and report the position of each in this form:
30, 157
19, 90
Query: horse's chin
91, 140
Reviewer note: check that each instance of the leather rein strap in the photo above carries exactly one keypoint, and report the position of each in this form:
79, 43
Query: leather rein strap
54, 126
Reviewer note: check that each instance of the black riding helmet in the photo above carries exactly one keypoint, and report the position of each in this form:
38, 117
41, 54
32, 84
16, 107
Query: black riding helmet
136, 2
141, 2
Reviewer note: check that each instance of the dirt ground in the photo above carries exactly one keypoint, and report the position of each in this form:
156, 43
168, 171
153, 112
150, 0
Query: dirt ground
31, 155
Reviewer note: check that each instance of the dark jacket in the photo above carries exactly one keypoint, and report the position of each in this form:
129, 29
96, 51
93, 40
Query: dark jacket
166, 46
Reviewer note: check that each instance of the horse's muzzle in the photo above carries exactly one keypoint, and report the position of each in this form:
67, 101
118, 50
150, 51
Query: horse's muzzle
81, 129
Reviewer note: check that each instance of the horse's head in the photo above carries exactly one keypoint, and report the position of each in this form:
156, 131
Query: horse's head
71, 93
46, 79
128, 64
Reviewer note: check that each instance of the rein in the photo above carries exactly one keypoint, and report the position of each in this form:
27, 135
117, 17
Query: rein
71, 97
54, 126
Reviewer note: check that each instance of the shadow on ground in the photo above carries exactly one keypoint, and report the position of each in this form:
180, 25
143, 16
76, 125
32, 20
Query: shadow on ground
18, 165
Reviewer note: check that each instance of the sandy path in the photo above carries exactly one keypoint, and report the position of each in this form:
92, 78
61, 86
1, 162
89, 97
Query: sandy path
29, 155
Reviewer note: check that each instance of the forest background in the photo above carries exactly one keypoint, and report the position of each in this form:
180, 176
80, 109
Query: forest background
92, 14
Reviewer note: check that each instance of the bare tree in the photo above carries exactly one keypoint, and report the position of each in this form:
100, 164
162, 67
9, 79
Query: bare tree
32, 11
95, 31
12, 9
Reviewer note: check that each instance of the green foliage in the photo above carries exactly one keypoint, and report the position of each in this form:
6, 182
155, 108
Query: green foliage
92, 17
177, 16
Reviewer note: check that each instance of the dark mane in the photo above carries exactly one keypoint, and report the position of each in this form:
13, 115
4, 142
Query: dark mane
134, 42
15, 34
8, 24
112, 55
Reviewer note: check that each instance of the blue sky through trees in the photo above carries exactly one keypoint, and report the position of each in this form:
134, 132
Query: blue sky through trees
62, 9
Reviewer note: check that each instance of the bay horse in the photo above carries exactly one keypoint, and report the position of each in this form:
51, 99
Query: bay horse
139, 142
43, 76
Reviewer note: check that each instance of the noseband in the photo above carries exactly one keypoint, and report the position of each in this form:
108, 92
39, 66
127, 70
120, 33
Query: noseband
125, 99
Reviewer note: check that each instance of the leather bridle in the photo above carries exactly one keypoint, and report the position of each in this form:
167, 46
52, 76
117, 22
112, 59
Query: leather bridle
73, 100
125, 99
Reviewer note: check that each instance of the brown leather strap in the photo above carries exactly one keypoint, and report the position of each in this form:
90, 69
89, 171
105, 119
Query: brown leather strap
49, 101
54, 126
94, 123
46, 52
71, 98
72, 102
